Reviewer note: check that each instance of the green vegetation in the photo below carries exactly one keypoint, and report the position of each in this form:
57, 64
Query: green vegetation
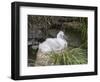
84, 32
69, 57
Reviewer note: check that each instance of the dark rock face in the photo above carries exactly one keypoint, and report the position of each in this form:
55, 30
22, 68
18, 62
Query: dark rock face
42, 27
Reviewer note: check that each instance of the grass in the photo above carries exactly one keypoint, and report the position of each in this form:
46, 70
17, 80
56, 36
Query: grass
84, 31
69, 57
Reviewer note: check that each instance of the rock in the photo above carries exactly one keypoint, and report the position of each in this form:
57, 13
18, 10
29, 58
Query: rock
43, 59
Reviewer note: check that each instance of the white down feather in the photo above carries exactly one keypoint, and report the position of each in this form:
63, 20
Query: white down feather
53, 44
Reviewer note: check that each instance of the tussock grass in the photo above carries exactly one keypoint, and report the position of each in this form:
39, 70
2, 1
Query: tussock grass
69, 57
